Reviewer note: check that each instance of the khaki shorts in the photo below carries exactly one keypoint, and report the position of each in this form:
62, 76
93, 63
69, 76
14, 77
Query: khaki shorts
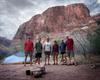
70, 53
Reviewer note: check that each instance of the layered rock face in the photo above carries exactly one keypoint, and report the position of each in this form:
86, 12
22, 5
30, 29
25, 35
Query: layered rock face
55, 20
58, 22
4, 47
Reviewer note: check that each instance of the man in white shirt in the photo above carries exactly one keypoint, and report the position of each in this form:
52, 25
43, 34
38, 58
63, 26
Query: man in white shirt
47, 50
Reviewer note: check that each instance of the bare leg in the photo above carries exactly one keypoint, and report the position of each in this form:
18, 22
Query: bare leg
56, 58
45, 59
38, 60
25, 60
65, 57
31, 60
69, 56
73, 57
48, 59
74, 61
62, 57
69, 60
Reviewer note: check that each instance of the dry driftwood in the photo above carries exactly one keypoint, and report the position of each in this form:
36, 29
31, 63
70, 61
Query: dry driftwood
36, 72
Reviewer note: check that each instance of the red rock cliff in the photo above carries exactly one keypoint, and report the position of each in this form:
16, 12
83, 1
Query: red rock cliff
55, 19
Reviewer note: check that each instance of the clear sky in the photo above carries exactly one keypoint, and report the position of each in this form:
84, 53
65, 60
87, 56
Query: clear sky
15, 12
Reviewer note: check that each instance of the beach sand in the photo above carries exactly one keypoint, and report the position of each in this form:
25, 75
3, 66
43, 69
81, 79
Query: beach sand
53, 72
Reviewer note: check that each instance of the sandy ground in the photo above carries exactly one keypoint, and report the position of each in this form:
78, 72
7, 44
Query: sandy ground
54, 72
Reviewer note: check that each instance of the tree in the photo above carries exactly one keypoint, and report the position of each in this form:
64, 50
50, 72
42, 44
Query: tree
94, 39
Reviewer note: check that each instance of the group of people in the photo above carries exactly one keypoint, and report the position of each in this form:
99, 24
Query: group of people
64, 48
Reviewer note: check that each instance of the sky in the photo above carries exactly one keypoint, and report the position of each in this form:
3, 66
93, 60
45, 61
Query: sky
15, 12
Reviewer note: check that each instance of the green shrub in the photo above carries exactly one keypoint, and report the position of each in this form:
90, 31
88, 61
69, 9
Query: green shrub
94, 39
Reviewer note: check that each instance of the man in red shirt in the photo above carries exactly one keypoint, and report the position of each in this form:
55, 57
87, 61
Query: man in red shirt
70, 51
28, 48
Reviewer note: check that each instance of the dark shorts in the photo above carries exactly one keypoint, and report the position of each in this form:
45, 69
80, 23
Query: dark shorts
47, 52
38, 55
70, 53
30, 53
63, 52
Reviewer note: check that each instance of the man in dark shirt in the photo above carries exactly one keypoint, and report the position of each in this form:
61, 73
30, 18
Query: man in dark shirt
38, 55
55, 52
63, 51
